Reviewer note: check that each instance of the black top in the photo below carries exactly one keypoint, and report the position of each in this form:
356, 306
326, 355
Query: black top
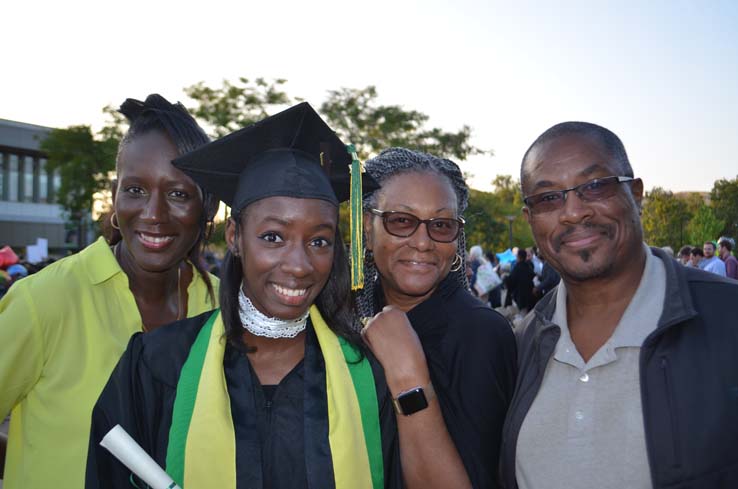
281, 443
471, 355
520, 285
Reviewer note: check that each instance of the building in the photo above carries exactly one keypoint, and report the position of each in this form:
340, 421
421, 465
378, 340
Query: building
27, 190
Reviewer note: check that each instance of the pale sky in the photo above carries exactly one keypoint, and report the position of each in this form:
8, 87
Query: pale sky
663, 75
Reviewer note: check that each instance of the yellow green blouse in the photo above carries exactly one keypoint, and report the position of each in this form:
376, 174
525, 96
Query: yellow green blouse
62, 332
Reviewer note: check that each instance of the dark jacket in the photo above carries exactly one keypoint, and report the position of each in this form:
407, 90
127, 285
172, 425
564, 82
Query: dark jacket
688, 375
549, 279
520, 285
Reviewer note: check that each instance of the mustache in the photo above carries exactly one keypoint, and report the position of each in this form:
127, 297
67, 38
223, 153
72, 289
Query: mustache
606, 229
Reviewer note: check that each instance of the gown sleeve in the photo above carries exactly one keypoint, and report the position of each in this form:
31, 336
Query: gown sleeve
388, 428
120, 403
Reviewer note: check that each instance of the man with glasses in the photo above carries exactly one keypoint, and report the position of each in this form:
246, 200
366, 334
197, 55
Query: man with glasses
628, 373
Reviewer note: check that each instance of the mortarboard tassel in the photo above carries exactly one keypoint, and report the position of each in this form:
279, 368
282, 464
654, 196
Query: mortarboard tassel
356, 216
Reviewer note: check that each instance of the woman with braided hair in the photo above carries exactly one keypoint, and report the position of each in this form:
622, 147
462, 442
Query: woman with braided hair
63, 329
449, 360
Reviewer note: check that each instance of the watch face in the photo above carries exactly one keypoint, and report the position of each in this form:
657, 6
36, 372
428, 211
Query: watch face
412, 401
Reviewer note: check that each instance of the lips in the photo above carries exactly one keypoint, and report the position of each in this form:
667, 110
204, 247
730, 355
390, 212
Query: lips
154, 241
420, 265
581, 241
584, 236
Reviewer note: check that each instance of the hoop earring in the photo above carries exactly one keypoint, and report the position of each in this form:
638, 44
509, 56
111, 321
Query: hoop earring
457, 263
113, 220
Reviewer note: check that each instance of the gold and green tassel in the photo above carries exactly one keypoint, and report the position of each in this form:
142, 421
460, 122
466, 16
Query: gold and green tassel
356, 216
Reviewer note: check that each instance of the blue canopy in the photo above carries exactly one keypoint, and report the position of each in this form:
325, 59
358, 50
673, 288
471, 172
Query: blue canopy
506, 256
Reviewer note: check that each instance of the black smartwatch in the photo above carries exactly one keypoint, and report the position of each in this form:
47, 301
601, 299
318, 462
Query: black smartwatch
413, 400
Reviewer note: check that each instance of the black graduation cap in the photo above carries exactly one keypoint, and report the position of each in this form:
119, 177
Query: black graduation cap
293, 153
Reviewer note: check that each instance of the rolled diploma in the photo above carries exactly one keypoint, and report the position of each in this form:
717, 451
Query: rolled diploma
130, 454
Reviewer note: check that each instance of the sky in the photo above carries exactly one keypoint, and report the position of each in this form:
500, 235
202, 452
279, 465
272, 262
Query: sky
663, 75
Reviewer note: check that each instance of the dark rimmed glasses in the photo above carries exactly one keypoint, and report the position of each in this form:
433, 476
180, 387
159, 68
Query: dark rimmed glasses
591, 191
404, 224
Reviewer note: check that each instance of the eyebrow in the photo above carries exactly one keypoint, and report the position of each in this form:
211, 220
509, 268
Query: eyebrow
593, 168
408, 208
286, 222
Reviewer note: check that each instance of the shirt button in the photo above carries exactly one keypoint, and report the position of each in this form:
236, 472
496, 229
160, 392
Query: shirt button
579, 415
584, 377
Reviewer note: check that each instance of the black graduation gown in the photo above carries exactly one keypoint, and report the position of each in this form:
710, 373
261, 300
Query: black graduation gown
471, 355
282, 444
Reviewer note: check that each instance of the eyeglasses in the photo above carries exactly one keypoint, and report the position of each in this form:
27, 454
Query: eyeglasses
592, 191
403, 225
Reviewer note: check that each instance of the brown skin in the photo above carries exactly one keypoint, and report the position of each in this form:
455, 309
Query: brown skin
156, 201
283, 243
411, 270
597, 247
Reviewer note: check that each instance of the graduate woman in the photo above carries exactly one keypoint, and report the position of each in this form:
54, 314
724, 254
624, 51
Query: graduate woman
269, 391
63, 329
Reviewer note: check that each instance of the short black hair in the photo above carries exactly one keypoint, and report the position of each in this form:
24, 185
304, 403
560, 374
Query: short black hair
609, 141
697, 251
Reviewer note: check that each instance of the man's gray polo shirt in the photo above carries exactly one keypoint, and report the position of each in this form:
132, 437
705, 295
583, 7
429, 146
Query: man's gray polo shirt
585, 427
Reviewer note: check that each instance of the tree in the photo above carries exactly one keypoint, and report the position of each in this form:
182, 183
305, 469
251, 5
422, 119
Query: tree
664, 218
358, 118
724, 201
236, 105
83, 162
487, 223
704, 226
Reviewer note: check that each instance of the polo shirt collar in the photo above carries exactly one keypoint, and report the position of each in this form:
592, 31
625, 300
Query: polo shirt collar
639, 320
99, 262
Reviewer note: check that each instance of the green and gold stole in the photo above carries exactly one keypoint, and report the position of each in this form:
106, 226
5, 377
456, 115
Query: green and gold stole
202, 447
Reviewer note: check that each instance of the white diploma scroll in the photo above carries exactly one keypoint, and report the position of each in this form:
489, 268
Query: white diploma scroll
130, 454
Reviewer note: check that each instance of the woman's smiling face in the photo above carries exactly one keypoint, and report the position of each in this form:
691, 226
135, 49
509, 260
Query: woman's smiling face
412, 268
158, 208
286, 248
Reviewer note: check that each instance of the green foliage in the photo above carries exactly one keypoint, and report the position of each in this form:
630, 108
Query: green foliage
487, 224
704, 226
724, 201
233, 106
664, 219
358, 118
83, 162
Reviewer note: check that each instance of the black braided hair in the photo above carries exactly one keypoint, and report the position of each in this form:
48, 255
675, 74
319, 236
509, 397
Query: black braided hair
397, 161
158, 114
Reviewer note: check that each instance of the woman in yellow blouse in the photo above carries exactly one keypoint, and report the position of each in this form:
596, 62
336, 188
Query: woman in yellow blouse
63, 329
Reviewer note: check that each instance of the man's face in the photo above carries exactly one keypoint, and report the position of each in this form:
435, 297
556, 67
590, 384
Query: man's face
582, 240
709, 250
